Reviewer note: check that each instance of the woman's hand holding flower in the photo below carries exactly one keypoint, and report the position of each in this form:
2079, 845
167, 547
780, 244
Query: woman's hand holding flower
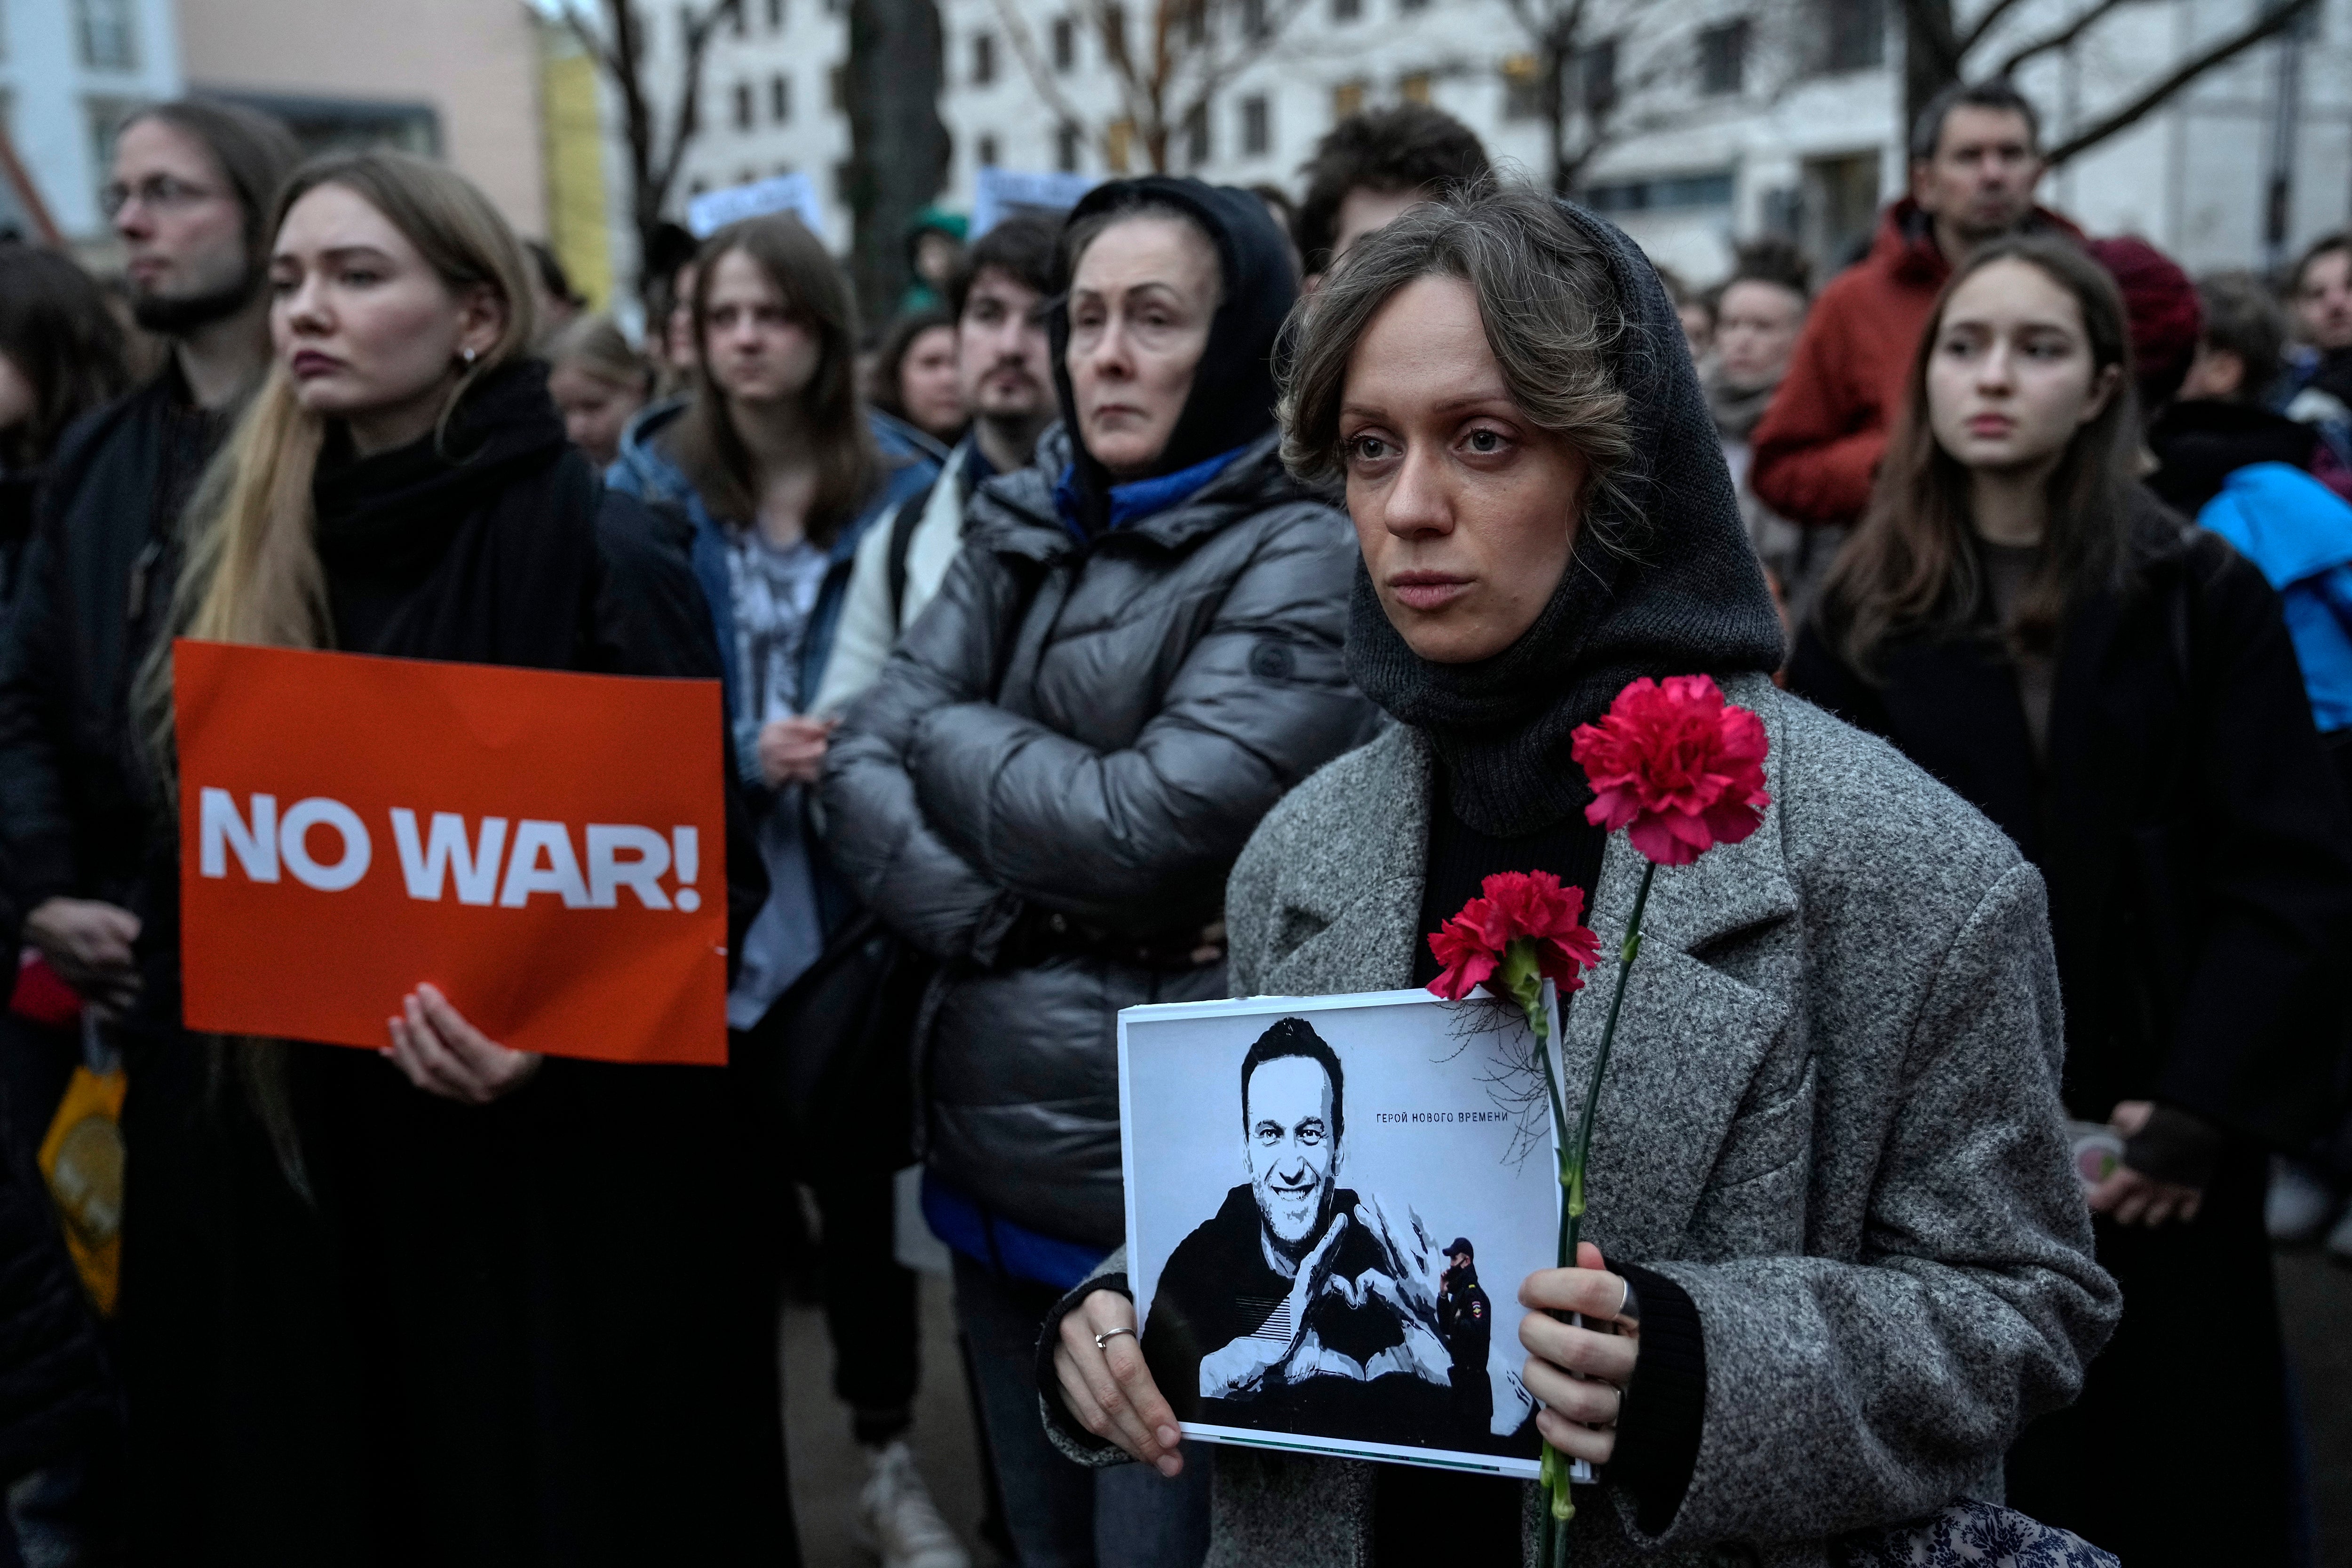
1579, 1373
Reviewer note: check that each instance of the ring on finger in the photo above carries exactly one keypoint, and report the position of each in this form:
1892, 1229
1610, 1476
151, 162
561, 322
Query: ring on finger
1103, 1339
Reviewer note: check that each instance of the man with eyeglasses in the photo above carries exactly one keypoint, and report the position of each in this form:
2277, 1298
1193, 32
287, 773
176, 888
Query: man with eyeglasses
190, 196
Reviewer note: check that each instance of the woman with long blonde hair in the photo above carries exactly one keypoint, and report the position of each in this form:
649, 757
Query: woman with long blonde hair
453, 1304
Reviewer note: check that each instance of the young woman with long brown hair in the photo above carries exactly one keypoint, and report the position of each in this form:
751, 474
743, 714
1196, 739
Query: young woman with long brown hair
455, 1303
780, 472
2117, 690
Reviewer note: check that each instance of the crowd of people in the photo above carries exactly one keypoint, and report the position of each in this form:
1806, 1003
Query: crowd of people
1187, 595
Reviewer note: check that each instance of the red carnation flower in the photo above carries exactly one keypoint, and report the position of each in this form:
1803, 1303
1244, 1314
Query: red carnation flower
1529, 906
1679, 764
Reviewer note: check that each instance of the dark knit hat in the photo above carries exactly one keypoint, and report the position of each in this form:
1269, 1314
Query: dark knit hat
2161, 305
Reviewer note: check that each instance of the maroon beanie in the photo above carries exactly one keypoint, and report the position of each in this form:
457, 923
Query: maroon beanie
2161, 305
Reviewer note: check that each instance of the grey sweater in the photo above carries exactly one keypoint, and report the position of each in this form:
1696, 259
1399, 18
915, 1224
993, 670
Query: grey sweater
1832, 1116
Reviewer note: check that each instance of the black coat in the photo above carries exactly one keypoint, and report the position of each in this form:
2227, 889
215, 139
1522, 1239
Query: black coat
2191, 830
2201, 896
56, 1396
536, 1332
90, 592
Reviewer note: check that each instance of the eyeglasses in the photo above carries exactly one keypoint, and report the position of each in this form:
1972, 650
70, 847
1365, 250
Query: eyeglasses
159, 192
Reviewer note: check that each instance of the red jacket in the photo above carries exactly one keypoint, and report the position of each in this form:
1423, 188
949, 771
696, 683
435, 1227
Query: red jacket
1817, 449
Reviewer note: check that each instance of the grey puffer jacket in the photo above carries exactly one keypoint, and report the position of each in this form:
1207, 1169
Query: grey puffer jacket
1832, 1116
1089, 731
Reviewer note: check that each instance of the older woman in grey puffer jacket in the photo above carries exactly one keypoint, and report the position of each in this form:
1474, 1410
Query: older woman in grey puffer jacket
1136, 655
1050, 783
1840, 1243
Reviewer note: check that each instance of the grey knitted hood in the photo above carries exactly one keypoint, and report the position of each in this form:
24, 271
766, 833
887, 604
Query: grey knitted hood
1676, 590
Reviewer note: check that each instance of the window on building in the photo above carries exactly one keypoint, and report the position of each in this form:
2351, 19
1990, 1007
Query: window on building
1723, 57
697, 187
744, 115
1347, 10
1257, 127
1066, 148
835, 8
746, 174
1853, 35
844, 177
1523, 88
108, 33
1065, 44
1194, 15
1413, 5
685, 27
102, 117
1253, 22
740, 22
837, 89
1347, 98
984, 59
1671, 193
1118, 145
988, 154
779, 98
1196, 135
1114, 27
783, 170
1414, 86
775, 15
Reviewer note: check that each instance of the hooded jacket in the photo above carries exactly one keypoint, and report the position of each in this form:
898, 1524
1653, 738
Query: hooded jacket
1050, 779
1817, 449
1830, 1137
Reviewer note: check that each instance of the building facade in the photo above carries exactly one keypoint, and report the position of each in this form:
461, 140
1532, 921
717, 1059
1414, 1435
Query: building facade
70, 70
452, 79
1729, 118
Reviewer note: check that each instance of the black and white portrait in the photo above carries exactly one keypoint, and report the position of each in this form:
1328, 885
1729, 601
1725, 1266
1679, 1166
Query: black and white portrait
1311, 1189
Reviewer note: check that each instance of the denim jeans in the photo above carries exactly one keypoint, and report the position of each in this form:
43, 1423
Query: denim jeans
1061, 1514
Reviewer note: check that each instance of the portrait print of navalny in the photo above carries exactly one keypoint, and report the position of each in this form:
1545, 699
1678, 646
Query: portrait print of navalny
1313, 1186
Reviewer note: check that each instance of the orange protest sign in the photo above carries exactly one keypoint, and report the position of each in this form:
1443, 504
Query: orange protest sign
546, 848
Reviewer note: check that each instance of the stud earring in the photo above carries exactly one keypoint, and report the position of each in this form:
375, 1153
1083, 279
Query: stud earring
467, 355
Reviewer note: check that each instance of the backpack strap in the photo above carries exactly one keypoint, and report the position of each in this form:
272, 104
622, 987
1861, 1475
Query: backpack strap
903, 524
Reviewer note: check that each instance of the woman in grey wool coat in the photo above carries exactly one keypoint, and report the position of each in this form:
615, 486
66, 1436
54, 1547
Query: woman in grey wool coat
1846, 1255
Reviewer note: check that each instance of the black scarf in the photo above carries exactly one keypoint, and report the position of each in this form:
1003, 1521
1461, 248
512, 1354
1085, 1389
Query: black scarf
1681, 594
1232, 400
488, 506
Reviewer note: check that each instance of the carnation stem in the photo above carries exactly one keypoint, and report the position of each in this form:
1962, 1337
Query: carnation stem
1553, 1547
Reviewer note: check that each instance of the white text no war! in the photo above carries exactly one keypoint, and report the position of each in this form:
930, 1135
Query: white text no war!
541, 859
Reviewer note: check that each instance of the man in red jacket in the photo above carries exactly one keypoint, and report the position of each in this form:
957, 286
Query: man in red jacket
1975, 159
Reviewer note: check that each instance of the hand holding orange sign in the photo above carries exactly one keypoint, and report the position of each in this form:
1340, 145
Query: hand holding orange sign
546, 884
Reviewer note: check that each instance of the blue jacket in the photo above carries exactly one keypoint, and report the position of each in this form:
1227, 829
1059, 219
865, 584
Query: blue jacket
805, 900
645, 470
2298, 533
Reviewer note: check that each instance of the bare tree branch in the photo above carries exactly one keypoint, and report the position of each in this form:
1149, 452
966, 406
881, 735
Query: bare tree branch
2215, 54
2063, 38
1024, 44
1976, 32
687, 120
